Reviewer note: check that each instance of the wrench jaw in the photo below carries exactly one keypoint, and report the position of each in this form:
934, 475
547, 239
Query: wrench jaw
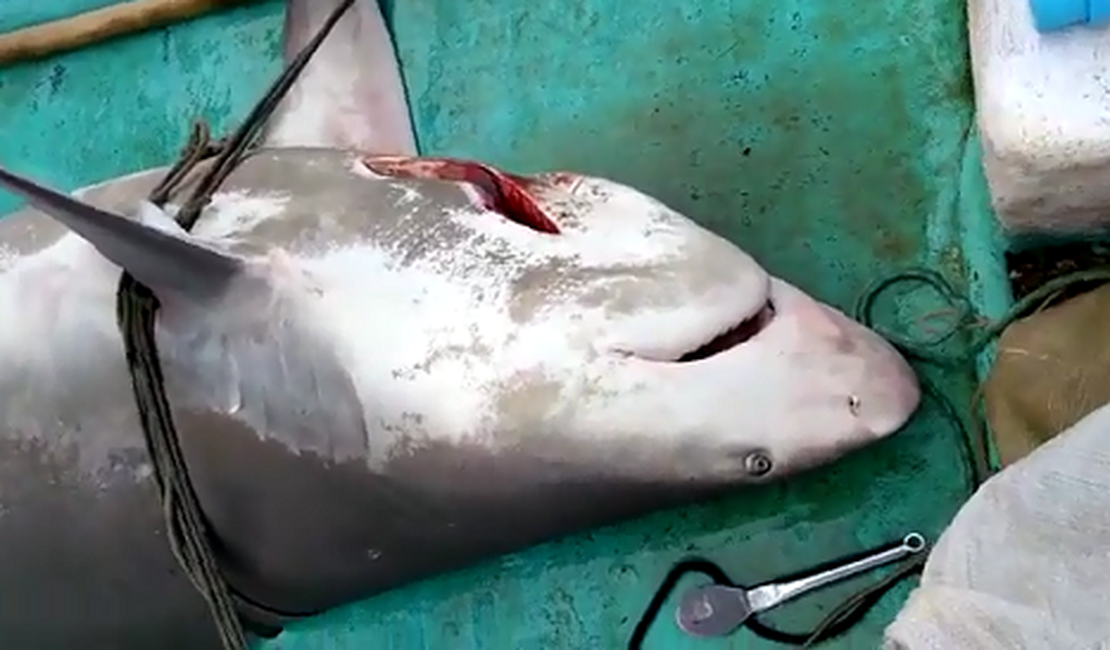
712, 610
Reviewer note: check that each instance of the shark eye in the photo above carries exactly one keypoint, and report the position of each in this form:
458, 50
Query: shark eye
501, 193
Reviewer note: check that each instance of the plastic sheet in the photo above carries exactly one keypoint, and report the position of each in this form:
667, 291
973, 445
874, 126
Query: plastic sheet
1026, 561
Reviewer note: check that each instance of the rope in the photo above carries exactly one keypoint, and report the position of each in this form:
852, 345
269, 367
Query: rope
976, 445
922, 351
136, 310
979, 468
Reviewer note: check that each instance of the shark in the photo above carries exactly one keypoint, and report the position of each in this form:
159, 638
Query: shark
385, 365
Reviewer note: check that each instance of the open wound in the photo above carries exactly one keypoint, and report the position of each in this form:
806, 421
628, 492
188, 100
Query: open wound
497, 191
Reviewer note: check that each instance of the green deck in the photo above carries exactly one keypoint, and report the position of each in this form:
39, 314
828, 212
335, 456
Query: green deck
829, 140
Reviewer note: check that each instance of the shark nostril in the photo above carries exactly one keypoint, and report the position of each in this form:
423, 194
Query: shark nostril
854, 404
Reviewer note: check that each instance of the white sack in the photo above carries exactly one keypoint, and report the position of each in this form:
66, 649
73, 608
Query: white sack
1026, 561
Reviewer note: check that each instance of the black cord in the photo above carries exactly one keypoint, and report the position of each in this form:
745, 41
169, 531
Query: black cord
837, 622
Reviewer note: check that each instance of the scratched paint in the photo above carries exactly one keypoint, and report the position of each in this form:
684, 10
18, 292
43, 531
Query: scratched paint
829, 140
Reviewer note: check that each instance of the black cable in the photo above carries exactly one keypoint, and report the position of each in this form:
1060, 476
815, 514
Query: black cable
840, 620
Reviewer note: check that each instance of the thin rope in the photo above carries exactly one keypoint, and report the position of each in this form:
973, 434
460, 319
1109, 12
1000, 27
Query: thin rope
187, 529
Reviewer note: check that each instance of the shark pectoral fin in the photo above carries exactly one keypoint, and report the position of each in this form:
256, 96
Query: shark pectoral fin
153, 253
350, 94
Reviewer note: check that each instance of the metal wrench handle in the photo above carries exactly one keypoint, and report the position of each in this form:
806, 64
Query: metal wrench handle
767, 596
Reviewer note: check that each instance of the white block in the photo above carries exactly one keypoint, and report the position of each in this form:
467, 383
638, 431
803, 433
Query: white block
1043, 105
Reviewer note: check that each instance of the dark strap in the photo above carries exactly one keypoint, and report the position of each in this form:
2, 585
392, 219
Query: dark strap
187, 528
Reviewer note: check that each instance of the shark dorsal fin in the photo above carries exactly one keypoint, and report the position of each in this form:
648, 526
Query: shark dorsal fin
156, 256
350, 94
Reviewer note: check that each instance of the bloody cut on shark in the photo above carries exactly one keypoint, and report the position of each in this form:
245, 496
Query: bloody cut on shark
383, 367
505, 194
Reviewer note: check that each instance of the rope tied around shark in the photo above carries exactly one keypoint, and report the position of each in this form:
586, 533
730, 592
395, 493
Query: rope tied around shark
187, 529
136, 310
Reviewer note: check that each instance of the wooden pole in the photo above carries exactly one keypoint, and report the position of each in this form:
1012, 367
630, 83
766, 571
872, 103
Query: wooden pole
99, 25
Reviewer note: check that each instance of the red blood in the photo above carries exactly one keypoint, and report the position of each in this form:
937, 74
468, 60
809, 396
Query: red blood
503, 193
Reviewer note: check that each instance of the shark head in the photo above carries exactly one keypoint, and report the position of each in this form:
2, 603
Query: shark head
573, 317
645, 341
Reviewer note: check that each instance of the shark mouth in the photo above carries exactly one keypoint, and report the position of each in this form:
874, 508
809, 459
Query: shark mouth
738, 334
507, 195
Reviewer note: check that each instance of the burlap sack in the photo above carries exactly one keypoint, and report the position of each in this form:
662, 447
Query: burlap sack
1052, 368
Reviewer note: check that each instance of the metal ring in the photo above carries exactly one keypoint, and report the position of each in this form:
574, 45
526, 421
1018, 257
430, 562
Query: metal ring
914, 542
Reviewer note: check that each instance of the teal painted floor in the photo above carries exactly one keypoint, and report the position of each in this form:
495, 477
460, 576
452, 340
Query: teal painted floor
834, 142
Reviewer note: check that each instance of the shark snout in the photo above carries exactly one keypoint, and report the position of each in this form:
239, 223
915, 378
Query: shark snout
891, 393
883, 391
871, 387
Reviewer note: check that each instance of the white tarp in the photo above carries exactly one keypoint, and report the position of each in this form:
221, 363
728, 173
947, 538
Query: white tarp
1026, 561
